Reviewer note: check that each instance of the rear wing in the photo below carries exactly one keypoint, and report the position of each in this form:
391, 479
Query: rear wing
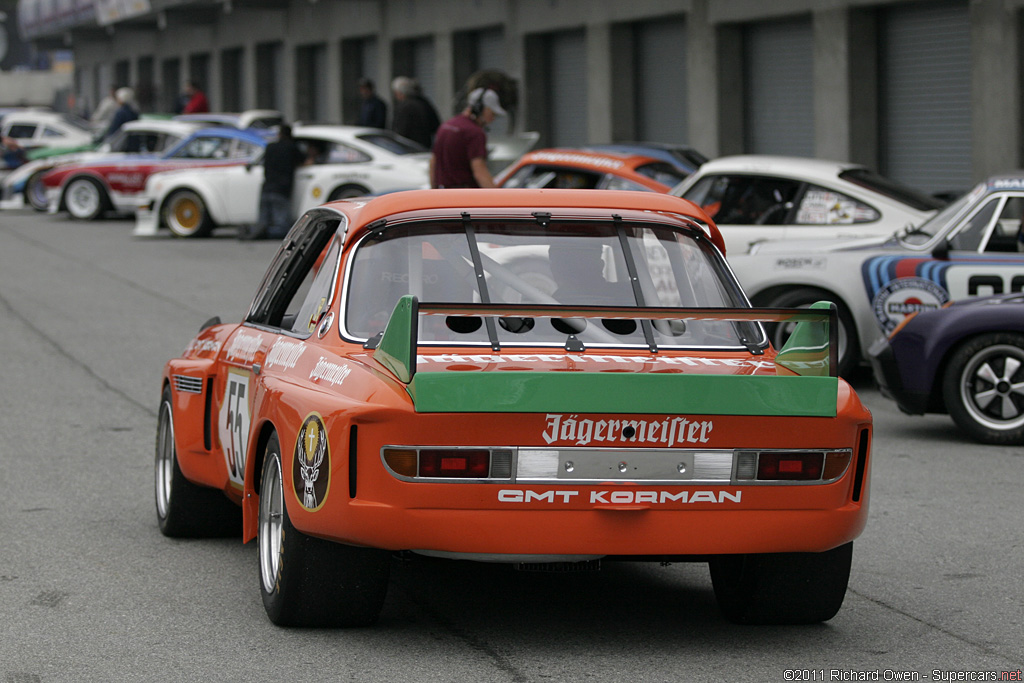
808, 386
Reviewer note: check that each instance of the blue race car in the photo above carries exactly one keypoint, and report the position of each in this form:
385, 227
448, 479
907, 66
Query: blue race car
965, 359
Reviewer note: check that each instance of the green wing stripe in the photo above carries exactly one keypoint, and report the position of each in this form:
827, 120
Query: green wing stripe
596, 392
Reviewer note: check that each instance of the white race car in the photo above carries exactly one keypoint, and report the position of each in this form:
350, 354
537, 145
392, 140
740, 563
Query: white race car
756, 197
971, 248
36, 128
145, 136
349, 161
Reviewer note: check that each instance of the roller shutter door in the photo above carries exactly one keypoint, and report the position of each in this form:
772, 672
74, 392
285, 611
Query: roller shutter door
779, 88
925, 126
491, 49
568, 89
424, 67
660, 48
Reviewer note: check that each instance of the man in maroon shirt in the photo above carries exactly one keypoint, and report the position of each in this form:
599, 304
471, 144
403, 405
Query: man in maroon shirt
459, 158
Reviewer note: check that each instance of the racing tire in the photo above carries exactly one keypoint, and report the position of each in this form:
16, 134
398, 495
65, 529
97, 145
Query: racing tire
184, 509
347, 192
782, 588
35, 191
983, 387
803, 297
307, 581
185, 213
85, 199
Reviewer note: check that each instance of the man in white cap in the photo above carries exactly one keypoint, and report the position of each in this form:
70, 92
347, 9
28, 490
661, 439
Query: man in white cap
459, 158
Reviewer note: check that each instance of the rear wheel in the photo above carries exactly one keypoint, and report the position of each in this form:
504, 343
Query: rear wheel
35, 191
983, 387
347, 192
782, 588
184, 509
803, 297
186, 215
84, 199
308, 581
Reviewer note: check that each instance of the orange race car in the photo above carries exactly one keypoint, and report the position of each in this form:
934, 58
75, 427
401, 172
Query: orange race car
547, 378
590, 169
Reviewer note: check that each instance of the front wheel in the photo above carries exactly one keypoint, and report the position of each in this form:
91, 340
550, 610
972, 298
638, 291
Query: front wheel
35, 191
184, 509
983, 387
803, 297
84, 199
186, 215
782, 588
308, 581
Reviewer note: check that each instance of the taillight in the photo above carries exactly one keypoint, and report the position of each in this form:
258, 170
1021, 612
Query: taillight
823, 466
454, 463
449, 463
790, 466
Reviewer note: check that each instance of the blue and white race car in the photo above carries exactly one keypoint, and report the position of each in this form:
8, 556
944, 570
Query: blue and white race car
970, 248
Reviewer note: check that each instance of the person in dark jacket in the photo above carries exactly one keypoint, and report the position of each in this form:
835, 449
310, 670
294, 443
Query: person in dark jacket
415, 117
373, 112
280, 159
126, 111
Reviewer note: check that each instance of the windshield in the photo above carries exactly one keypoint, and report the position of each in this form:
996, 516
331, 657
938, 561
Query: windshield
566, 263
939, 223
395, 144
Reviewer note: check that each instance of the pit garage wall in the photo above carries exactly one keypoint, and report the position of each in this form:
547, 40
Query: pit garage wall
623, 81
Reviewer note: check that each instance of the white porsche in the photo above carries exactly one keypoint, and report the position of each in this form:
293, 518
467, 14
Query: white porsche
753, 198
973, 247
348, 161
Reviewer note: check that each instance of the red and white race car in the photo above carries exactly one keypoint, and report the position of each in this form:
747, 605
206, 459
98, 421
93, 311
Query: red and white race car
87, 189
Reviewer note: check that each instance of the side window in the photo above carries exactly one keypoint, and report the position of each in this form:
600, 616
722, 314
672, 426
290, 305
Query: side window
825, 207
970, 236
343, 154
21, 131
52, 133
1006, 233
289, 280
243, 149
745, 199
314, 296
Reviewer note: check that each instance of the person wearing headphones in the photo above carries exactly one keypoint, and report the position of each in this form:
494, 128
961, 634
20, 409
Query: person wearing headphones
459, 157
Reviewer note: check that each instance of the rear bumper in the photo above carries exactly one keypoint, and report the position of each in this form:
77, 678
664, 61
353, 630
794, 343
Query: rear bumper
606, 532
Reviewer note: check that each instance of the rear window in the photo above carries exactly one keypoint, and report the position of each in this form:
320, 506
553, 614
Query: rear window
570, 263
890, 188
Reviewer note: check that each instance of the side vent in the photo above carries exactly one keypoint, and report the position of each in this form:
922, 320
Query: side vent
187, 385
352, 460
208, 416
863, 446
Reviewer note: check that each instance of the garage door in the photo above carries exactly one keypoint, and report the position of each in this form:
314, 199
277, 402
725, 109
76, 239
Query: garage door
925, 126
779, 88
423, 67
568, 89
661, 80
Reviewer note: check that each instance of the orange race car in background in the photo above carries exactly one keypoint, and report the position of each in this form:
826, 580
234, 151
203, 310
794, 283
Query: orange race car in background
536, 377
591, 169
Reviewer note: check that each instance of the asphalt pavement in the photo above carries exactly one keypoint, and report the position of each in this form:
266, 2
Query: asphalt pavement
91, 591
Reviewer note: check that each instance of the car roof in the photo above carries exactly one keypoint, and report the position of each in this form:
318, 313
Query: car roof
164, 125
766, 163
519, 202
585, 158
328, 130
